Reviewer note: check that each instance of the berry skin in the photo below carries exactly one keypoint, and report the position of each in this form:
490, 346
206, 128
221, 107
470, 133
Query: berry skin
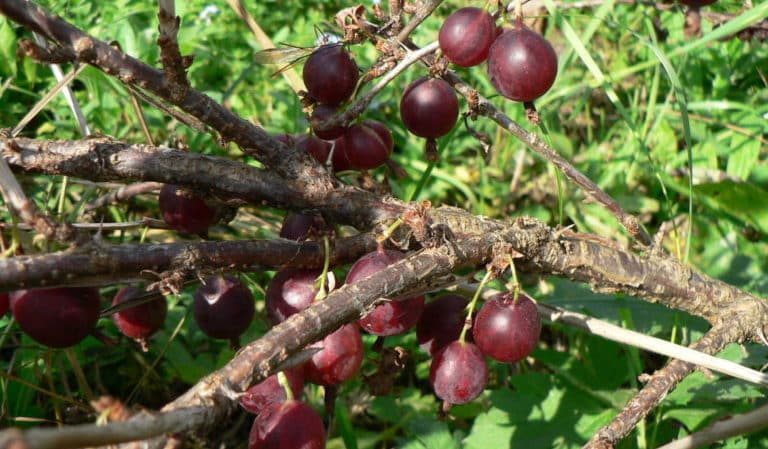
319, 149
330, 75
300, 227
466, 36
185, 212
269, 391
522, 65
429, 108
290, 291
288, 425
441, 322
4, 304
224, 308
141, 321
320, 114
340, 358
458, 373
392, 317
56, 317
365, 148
506, 330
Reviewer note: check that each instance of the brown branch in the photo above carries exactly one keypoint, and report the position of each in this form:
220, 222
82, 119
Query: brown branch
123, 194
738, 324
424, 11
215, 393
293, 165
583, 258
174, 63
96, 264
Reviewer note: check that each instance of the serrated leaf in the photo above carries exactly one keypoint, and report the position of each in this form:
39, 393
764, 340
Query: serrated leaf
431, 433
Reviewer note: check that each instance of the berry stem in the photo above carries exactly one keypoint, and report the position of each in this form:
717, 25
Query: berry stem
282, 379
389, 231
516, 283
320, 282
471, 306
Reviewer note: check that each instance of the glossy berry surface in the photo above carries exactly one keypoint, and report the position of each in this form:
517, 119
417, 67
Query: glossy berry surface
320, 114
392, 317
365, 148
4, 304
506, 330
522, 65
288, 425
441, 322
269, 391
466, 36
330, 75
184, 211
223, 307
291, 290
56, 317
300, 227
140, 321
458, 373
318, 148
429, 108
339, 359
383, 131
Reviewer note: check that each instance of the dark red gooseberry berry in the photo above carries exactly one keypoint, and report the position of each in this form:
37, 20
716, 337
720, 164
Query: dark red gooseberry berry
319, 149
4, 304
467, 35
507, 330
269, 391
286, 139
330, 75
522, 64
365, 149
224, 307
141, 321
441, 322
320, 114
383, 131
458, 373
392, 317
429, 108
185, 212
300, 227
288, 425
340, 159
56, 317
290, 291
339, 359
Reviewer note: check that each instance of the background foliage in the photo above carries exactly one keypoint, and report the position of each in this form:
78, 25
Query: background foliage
616, 111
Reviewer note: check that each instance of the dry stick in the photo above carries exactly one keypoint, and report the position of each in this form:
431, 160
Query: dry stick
123, 193
667, 378
532, 141
294, 166
422, 13
290, 74
579, 257
174, 63
212, 398
112, 263
734, 425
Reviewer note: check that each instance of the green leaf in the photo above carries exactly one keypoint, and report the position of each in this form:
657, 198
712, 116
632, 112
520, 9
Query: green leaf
743, 200
431, 433
692, 418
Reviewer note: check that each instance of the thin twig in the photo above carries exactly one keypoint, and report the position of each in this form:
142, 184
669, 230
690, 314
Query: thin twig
732, 426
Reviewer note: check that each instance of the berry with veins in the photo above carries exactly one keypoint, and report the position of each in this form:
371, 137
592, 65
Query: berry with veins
185, 212
330, 75
508, 330
224, 308
429, 108
458, 373
141, 321
466, 36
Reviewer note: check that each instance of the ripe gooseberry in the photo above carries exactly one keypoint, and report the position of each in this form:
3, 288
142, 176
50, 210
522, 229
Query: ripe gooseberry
364, 147
288, 425
522, 65
185, 212
507, 330
320, 114
269, 391
392, 317
441, 322
290, 291
429, 108
339, 359
458, 372
300, 227
330, 74
319, 149
141, 321
467, 35
4, 303
56, 317
224, 308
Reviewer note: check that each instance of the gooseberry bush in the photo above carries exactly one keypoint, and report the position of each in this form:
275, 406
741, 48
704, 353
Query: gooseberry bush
411, 224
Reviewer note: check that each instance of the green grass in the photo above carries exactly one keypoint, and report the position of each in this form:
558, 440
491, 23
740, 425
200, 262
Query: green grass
634, 112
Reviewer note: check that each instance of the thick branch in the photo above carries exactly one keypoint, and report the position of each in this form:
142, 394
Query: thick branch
292, 165
108, 264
